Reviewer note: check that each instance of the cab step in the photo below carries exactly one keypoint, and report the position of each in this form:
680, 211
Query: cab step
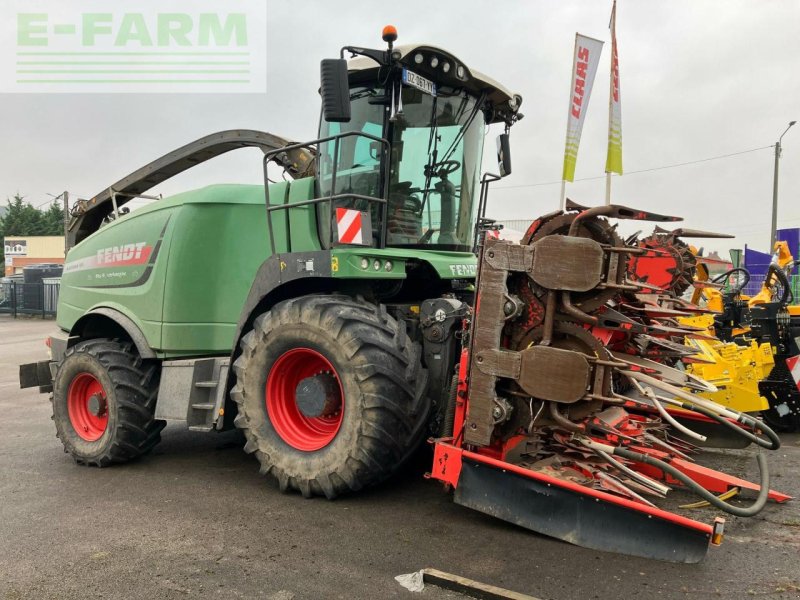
193, 391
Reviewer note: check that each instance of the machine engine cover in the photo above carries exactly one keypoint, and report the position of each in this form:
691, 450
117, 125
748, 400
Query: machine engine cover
569, 263
554, 374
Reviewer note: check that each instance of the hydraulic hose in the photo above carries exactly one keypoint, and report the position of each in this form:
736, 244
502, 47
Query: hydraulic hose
747, 511
693, 402
638, 477
676, 424
773, 443
563, 421
727, 274
787, 296
665, 415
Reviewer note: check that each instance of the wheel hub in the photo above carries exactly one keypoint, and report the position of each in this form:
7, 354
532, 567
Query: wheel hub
304, 399
87, 406
97, 405
318, 395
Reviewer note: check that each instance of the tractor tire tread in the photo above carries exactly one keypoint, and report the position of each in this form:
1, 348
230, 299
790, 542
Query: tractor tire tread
395, 406
135, 388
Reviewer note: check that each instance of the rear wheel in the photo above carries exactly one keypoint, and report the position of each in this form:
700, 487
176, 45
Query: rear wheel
781, 423
330, 394
781, 392
104, 398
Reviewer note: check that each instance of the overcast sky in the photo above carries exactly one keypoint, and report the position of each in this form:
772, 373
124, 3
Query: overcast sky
698, 79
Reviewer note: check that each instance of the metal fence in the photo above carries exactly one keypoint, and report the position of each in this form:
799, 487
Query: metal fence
19, 298
757, 281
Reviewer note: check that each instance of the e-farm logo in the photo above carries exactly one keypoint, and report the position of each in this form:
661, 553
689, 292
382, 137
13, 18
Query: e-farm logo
142, 46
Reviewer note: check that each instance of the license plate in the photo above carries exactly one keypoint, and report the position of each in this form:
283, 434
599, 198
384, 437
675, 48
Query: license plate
419, 82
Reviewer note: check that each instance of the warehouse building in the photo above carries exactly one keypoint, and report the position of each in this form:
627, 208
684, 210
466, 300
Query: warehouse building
21, 251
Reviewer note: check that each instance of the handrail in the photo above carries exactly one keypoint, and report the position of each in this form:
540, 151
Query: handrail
381, 201
88, 215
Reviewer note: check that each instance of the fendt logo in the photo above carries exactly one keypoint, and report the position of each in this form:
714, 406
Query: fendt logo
135, 46
129, 254
126, 255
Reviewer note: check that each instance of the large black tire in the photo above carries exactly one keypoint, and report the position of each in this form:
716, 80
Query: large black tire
126, 388
781, 424
384, 405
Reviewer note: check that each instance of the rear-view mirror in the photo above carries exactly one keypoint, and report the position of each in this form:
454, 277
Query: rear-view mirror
335, 90
504, 154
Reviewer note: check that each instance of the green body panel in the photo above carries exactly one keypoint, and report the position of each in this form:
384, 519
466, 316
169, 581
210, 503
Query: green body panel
347, 262
181, 268
216, 250
302, 219
88, 276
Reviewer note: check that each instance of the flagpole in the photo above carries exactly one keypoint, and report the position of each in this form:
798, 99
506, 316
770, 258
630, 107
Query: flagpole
610, 102
612, 26
563, 200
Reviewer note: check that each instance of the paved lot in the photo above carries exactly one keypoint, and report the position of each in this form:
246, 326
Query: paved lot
195, 519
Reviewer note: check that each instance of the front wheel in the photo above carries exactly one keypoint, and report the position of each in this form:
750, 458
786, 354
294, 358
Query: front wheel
104, 398
330, 394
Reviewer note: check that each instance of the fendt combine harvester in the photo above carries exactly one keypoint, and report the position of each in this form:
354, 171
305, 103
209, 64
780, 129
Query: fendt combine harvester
348, 320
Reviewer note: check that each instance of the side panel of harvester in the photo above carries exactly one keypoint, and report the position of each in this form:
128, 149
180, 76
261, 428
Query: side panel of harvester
157, 265
221, 239
122, 267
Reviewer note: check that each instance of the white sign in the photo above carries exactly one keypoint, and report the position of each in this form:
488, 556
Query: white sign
12, 247
584, 69
419, 82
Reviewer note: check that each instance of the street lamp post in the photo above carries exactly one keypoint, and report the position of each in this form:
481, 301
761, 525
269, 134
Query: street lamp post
774, 229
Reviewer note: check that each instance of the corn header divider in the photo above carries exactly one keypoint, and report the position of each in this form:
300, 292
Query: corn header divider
568, 418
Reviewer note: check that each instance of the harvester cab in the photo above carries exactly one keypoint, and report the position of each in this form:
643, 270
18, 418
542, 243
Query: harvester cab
401, 141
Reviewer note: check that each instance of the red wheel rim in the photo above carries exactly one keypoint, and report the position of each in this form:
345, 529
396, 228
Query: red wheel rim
296, 429
87, 406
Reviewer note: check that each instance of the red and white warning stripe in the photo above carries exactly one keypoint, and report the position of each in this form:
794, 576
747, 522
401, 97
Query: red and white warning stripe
794, 368
349, 226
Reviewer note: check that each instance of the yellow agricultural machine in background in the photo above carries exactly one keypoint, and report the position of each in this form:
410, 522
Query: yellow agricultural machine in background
673, 266
764, 328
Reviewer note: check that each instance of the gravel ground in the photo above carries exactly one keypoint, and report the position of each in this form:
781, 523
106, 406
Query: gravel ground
195, 519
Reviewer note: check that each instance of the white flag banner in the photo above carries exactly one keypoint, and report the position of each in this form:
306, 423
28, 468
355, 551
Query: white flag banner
584, 69
614, 156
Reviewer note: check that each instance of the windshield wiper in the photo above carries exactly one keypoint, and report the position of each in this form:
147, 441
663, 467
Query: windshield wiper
462, 131
433, 144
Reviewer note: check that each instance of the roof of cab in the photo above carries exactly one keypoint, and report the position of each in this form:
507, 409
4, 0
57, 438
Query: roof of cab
497, 92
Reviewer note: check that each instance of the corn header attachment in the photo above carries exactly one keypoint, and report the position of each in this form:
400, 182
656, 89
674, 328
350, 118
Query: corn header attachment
572, 415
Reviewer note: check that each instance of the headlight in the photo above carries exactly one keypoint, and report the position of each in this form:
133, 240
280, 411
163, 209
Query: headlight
434, 62
418, 58
460, 71
446, 67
